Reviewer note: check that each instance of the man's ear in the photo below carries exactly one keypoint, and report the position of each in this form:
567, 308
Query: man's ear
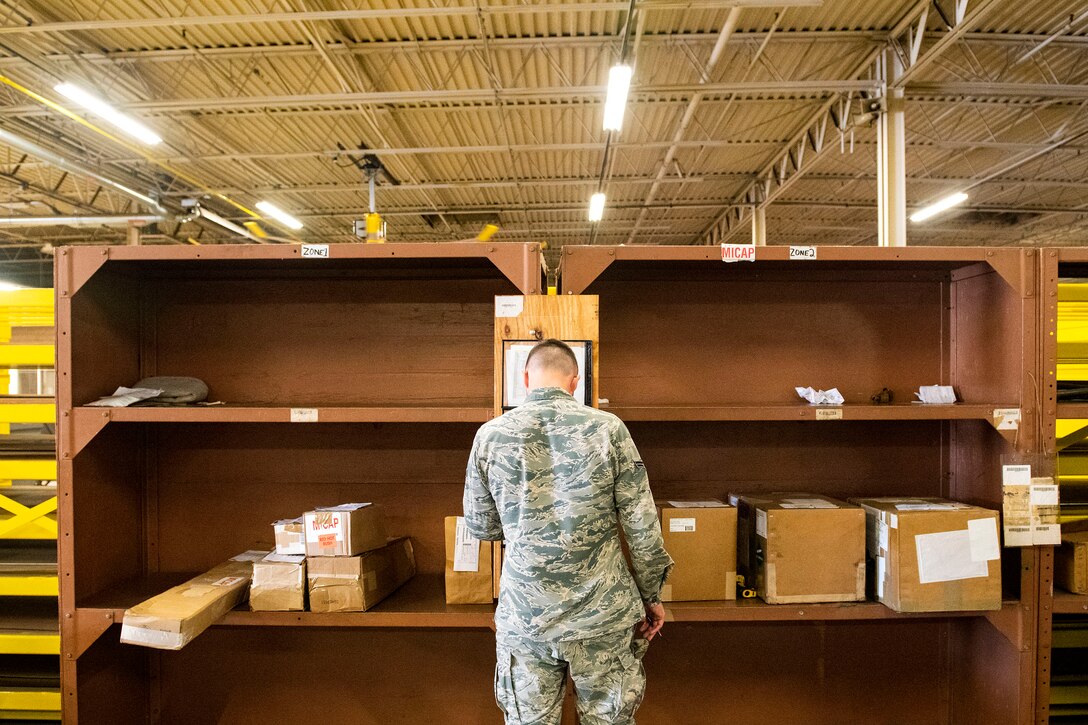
573, 385
525, 378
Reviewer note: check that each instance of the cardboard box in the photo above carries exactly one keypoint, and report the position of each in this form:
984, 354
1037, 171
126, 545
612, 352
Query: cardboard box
498, 550
290, 537
469, 565
932, 554
357, 583
172, 619
344, 530
804, 548
279, 584
701, 537
1071, 562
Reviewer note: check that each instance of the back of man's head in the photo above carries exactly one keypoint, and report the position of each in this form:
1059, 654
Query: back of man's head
552, 359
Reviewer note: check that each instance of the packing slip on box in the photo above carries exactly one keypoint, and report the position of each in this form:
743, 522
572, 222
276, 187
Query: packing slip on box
470, 564
932, 554
701, 537
357, 583
344, 530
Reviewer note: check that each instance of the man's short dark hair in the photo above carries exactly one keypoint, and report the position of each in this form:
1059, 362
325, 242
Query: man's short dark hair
553, 355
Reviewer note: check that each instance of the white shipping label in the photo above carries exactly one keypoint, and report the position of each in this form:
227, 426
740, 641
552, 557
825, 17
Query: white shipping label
738, 253
1019, 475
761, 523
882, 535
303, 415
315, 251
802, 252
681, 525
325, 528
1044, 495
1007, 418
946, 556
982, 534
509, 305
696, 504
228, 581
1047, 535
1017, 535
829, 414
466, 548
807, 503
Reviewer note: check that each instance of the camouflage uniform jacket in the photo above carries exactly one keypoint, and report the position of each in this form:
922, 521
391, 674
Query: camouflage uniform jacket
550, 477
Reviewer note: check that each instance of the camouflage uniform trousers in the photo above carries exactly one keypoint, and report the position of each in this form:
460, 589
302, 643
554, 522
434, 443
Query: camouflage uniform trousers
609, 680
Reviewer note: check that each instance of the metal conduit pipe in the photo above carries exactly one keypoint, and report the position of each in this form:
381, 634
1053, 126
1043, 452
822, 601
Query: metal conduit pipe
79, 221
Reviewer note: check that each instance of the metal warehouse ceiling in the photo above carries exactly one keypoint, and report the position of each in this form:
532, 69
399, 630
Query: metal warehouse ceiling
491, 111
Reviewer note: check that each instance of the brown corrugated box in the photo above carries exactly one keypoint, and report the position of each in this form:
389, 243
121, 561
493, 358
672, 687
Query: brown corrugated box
498, 550
804, 548
701, 537
172, 619
344, 530
469, 587
290, 537
1071, 562
279, 584
932, 554
357, 583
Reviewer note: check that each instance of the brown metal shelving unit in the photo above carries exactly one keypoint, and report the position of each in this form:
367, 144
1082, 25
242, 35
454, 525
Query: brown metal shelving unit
701, 358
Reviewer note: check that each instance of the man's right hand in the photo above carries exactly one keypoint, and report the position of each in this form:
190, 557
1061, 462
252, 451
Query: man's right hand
655, 619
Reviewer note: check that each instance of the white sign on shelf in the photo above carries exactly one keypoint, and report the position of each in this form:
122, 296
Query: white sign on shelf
802, 252
509, 305
315, 251
738, 252
303, 415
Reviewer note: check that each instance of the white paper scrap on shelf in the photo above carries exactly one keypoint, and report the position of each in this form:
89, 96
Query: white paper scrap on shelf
315, 251
696, 504
285, 558
936, 394
685, 526
821, 397
124, 397
509, 305
983, 536
304, 415
466, 549
738, 253
807, 503
1007, 418
946, 556
802, 252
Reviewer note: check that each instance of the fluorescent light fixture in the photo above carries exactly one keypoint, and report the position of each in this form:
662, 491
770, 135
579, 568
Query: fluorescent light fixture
108, 113
279, 215
596, 207
10, 287
619, 82
937, 207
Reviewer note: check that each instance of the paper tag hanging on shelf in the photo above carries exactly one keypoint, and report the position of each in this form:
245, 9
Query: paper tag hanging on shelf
1045, 529
315, 251
1016, 504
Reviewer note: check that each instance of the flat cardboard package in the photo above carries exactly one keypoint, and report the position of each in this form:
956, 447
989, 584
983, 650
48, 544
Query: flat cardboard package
469, 565
701, 537
1071, 562
804, 548
279, 584
290, 537
357, 583
344, 530
172, 619
932, 555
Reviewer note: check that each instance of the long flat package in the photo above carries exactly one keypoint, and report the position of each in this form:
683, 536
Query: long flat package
357, 583
174, 618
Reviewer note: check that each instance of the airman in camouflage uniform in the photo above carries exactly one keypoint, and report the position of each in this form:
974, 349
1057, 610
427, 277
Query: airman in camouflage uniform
551, 477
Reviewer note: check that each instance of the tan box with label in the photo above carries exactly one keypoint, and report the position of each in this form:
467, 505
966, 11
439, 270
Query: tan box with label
701, 537
357, 583
805, 548
344, 530
474, 584
932, 554
1071, 562
279, 584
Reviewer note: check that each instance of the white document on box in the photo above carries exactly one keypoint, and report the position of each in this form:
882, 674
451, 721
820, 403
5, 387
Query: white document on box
696, 504
947, 556
466, 549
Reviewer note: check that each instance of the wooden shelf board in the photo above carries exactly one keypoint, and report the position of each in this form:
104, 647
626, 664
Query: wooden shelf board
1069, 603
744, 610
279, 414
803, 412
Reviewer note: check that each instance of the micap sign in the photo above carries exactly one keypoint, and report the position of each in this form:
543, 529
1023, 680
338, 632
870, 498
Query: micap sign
738, 252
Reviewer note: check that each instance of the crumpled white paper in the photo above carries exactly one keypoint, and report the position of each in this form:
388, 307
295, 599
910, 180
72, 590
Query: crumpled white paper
821, 397
936, 394
124, 397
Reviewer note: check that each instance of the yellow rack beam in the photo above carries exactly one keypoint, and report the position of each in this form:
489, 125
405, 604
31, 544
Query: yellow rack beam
28, 469
27, 356
28, 412
28, 586
27, 308
28, 522
29, 705
29, 643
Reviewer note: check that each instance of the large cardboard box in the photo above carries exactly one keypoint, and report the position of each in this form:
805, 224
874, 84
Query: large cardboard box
357, 583
279, 584
344, 530
172, 619
1071, 562
804, 548
932, 554
470, 577
290, 537
701, 537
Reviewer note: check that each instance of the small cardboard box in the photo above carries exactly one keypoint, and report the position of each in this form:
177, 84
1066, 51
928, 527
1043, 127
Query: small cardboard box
804, 548
932, 554
290, 537
357, 583
344, 530
172, 619
279, 584
1071, 562
701, 537
469, 565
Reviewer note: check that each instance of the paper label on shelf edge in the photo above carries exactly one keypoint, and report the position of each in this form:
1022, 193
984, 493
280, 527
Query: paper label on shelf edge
802, 252
947, 556
761, 523
982, 535
1016, 475
315, 251
738, 253
828, 413
1007, 418
509, 305
466, 548
697, 504
682, 526
303, 415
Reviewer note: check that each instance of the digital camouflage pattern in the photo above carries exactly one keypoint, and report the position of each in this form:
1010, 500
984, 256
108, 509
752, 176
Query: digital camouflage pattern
530, 679
551, 477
